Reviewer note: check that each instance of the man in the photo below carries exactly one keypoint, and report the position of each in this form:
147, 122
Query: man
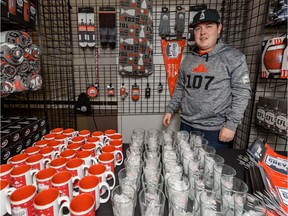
213, 88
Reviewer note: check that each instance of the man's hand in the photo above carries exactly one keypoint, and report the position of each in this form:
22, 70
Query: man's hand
226, 135
166, 119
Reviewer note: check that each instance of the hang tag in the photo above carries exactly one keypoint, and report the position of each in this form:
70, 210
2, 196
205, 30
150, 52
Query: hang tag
135, 92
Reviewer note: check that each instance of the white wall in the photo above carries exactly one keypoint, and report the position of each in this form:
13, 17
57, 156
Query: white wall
126, 124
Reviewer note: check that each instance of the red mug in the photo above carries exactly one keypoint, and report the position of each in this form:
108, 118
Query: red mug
70, 132
100, 171
84, 133
49, 152
116, 136
22, 175
18, 160
56, 145
115, 152
5, 170
69, 154
59, 164
42, 143
37, 162
86, 156
48, 202
102, 137
74, 146
63, 139
49, 137
63, 181
78, 139
110, 132
44, 178
77, 167
57, 131
82, 205
92, 185
5, 192
93, 148
31, 150
119, 146
21, 201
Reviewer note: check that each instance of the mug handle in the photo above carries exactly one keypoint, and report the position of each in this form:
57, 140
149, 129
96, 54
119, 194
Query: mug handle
94, 160
118, 163
8, 193
33, 172
113, 177
65, 204
101, 185
46, 161
85, 169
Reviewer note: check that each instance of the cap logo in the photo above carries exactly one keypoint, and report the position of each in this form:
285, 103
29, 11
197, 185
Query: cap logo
202, 16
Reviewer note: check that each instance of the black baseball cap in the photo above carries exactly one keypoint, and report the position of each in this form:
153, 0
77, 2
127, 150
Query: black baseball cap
207, 15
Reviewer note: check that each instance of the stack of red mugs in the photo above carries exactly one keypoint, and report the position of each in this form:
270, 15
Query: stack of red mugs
42, 179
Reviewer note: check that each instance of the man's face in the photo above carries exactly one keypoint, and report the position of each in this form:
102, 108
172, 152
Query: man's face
206, 34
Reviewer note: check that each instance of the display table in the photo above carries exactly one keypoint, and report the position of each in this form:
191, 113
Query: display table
230, 156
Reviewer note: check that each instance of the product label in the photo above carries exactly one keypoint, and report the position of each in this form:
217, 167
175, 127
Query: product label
270, 118
278, 164
283, 192
281, 122
260, 114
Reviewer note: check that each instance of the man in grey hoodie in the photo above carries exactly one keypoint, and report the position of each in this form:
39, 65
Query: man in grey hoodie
213, 88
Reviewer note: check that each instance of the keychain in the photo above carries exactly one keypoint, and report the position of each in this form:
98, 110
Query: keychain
123, 92
110, 90
147, 91
92, 90
135, 92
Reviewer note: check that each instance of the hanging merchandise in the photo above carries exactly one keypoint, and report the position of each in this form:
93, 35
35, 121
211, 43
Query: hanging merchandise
82, 28
147, 91
172, 54
277, 13
160, 87
110, 90
93, 89
19, 38
136, 38
123, 92
164, 26
107, 27
135, 94
274, 58
180, 21
90, 27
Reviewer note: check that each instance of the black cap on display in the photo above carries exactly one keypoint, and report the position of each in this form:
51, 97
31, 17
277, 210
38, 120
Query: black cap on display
208, 15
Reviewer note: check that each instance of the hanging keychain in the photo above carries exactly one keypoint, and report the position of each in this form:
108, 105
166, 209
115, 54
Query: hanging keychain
160, 87
93, 89
135, 92
110, 90
123, 92
147, 91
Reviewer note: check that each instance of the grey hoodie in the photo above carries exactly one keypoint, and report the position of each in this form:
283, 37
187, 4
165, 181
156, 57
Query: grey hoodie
212, 90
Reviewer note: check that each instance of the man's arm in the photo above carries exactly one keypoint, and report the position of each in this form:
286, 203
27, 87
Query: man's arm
241, 90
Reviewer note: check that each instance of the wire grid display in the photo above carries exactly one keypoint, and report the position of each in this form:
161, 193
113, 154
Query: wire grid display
244, 28
56, 100
84, 62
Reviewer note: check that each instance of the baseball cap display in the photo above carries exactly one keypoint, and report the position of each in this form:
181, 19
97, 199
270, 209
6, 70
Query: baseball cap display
208, 15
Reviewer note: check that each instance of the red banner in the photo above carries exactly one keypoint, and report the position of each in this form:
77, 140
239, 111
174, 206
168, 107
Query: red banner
172, 54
